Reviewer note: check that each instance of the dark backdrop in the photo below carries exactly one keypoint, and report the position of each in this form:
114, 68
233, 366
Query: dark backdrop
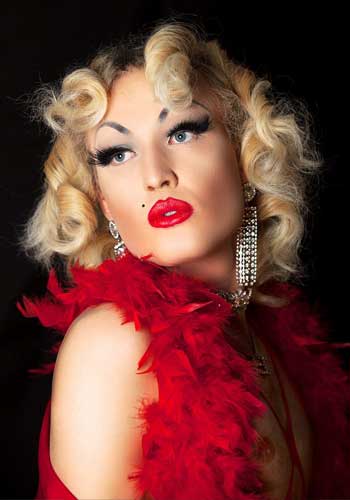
303, 55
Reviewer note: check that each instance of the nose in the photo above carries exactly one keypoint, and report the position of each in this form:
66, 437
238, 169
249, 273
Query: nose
157, 170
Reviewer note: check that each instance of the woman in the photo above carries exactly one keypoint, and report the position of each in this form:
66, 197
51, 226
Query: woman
202, 177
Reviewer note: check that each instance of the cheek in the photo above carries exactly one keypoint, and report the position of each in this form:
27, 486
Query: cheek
104, 180
221, 184
110, 191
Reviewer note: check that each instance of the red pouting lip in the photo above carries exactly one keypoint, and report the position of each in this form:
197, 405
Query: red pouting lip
162, 206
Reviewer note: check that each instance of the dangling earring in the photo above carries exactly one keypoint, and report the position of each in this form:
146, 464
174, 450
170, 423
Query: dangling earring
119, 248
246, 257
246, 253
246, 245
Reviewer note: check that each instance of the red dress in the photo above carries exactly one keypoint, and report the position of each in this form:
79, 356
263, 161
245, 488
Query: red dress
50, 485
206, 427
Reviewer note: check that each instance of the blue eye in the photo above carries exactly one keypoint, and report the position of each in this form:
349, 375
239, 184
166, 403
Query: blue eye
105, 156
198, 127
118, 152
181, 132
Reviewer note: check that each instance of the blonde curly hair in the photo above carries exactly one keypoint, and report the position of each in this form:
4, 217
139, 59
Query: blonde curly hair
272, 133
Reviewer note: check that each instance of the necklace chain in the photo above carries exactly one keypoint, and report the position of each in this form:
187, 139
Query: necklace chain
260, 362
239, 301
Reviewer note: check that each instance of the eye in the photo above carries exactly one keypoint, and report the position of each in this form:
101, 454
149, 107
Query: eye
181, 133
104, 157
119, 152
196, 127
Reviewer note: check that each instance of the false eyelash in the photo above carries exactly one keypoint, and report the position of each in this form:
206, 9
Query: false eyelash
104, 157
196, 126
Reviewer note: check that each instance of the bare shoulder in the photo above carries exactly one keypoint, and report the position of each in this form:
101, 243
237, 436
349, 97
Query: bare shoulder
95, 437
101, 326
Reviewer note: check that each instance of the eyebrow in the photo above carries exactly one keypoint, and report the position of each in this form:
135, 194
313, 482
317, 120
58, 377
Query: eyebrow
162, 116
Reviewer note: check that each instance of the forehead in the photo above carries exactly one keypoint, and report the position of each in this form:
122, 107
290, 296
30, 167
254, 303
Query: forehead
132, 97
133, 92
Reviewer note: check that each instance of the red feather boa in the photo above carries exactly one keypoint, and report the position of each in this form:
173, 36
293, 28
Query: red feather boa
197, 442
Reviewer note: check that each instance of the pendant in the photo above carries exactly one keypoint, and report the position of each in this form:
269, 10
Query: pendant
260, 365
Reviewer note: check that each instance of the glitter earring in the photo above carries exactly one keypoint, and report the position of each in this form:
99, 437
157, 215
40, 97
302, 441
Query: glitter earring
119, 248
246, 253
246, 257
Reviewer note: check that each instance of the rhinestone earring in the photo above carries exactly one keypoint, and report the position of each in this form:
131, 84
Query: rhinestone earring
246, 253
119, 248
246, 257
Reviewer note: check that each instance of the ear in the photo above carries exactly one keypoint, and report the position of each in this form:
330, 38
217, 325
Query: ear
104, 206
243, 176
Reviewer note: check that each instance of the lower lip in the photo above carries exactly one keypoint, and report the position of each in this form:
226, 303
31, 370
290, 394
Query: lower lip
171, 220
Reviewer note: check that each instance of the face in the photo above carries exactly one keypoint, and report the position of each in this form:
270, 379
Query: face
198, 166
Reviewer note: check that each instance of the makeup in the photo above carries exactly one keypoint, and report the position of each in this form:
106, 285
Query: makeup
104, 157
169, 212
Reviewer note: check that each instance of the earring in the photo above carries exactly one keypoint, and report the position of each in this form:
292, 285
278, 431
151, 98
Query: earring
119, 248
246, 245
246, 253
246, 257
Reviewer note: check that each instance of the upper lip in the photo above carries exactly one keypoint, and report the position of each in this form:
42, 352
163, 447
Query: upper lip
163, 206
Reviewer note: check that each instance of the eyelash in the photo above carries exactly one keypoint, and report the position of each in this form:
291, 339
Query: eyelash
104, 157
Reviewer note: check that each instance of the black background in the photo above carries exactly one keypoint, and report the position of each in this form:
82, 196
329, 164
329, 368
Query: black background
302, 53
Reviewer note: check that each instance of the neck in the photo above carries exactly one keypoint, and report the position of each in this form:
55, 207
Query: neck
217, 269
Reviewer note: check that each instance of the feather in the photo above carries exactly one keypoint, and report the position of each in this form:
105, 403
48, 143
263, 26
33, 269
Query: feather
198, 438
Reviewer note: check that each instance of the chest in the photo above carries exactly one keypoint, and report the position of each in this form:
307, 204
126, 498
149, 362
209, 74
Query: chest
274, 456
273, 452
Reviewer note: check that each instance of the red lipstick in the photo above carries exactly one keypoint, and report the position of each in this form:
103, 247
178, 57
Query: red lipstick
177, 211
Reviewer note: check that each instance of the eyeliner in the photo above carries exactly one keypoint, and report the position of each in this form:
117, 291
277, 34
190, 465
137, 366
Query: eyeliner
103, 157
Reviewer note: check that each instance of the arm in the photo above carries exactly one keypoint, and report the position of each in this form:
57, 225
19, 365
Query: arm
94, 437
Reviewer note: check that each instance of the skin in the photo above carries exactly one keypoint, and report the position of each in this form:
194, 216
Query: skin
202, 170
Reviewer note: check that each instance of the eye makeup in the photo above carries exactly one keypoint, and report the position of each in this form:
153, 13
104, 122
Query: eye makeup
195, 126
103, 157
